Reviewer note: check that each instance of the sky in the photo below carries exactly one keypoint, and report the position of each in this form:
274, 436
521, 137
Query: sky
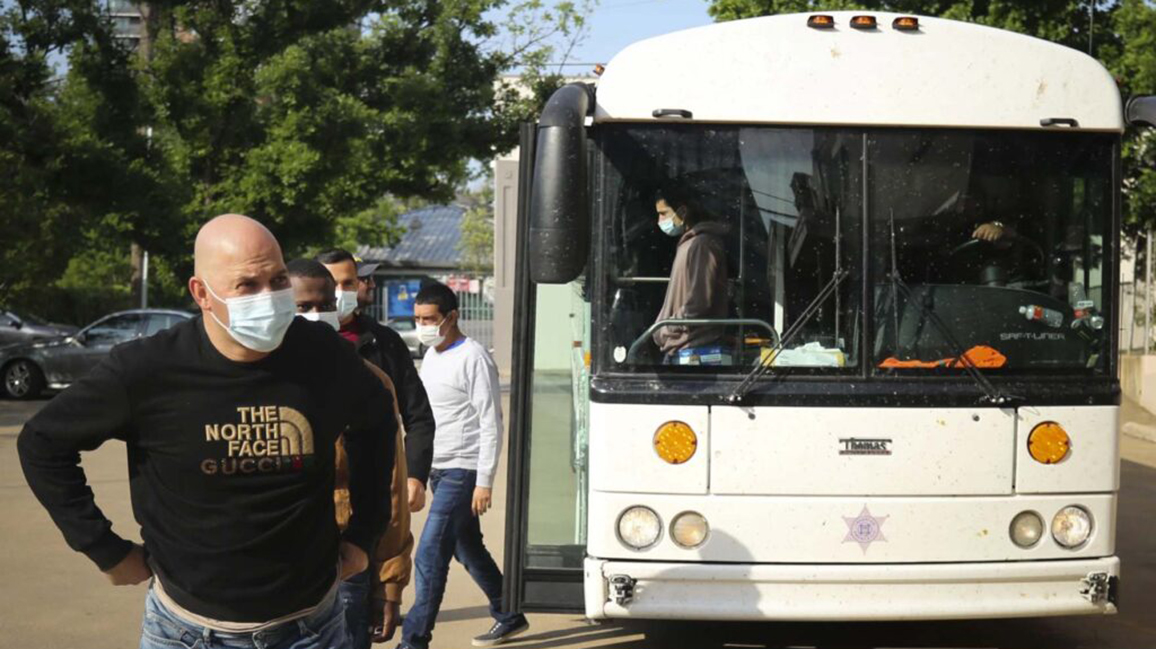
618, 23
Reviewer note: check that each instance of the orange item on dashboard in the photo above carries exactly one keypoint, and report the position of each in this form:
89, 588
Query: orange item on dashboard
981, 356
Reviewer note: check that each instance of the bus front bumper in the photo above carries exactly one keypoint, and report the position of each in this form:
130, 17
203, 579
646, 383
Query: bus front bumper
706, 591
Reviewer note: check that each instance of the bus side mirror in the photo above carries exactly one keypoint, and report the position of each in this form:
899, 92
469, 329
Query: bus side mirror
1141, 111
559, 236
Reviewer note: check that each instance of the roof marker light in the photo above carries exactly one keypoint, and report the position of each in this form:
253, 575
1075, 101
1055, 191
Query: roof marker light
821, 21
905, 24
863, 22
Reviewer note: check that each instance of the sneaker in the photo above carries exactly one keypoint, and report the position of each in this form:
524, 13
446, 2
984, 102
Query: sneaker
501, 632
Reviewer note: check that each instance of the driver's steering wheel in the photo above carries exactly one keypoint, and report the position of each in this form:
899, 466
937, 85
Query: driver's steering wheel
993, 271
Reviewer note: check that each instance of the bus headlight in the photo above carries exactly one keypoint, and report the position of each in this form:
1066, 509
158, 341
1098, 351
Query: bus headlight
675, 442
689, 530
639, 527
1049, 443
1072, 526
1026, 529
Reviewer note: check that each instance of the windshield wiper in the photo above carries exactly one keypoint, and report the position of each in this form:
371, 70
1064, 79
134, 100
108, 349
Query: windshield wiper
991, 393
768, 359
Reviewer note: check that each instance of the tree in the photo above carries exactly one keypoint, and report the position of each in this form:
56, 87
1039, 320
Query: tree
300, 113
1135, 68
1122, 37
477, 241
35, 217
536, 40
282, 110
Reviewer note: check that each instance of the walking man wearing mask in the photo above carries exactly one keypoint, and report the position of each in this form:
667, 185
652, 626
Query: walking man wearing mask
230, 421
384, 348
369, 594
462, 381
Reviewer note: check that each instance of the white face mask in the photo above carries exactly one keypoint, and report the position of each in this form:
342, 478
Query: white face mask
328, 317
670, 228
258, 322
430, 335
346, 303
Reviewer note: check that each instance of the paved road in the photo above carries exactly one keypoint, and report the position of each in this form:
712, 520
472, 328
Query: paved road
52, 598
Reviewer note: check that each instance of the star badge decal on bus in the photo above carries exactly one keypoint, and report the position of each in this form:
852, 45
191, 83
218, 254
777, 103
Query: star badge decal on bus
864, 529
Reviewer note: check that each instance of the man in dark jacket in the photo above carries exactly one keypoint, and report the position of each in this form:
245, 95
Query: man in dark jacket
384, 348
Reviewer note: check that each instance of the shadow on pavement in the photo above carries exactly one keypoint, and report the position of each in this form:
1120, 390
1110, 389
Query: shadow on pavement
14, 413
465, 613
583, 634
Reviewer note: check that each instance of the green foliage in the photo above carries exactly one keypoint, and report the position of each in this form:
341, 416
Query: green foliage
1135, 67
302, 114
377, 226
477, 241
289, 115
537, 42
1123, 36
34, 148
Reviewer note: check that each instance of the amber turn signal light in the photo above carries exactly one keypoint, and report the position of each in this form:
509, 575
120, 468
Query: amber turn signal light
863, 22
1049, 443
675, 442
821, 21
905, 24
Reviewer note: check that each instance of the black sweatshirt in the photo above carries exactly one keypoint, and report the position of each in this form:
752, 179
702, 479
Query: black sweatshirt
384, 348
231, 465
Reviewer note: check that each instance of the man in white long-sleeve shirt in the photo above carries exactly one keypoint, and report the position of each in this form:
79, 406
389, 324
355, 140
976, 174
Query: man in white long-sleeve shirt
462, 383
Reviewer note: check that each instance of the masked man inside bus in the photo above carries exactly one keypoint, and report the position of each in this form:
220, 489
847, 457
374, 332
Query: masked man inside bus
698, 281
371, 598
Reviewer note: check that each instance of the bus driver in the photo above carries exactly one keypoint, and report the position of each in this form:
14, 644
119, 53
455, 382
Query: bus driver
698, 281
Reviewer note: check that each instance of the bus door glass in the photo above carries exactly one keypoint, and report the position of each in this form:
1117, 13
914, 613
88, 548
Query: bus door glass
546, 517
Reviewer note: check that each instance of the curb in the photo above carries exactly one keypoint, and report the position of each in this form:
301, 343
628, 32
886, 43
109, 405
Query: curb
1139, 431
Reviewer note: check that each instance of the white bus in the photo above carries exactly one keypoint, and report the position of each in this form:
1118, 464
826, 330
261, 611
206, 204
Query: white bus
886, 414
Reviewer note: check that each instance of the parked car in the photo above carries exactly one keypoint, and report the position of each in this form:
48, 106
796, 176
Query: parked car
54, 363
24, 327
406, 328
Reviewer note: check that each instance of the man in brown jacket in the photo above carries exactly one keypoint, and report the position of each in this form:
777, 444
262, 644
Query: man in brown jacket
370, 595
698, 281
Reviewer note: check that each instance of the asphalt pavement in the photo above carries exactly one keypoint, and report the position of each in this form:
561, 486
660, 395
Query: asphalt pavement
53, 598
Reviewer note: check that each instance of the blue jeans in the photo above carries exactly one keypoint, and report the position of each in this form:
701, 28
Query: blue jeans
324, 629
451, 532
354, 596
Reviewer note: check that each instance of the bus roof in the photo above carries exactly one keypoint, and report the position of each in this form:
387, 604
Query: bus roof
777, 70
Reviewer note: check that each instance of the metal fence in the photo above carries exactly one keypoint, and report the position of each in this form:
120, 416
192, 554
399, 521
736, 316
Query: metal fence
475, 309
1136, 297
477, 315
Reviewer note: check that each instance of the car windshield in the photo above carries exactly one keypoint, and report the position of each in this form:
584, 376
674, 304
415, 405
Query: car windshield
726, 246
27, 318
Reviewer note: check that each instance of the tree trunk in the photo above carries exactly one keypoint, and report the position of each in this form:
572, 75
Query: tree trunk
136, 260
148, 29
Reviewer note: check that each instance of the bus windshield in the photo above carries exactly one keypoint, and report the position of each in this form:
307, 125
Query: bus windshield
724, 247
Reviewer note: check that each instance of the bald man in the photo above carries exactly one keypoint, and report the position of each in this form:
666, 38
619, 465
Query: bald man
230, 421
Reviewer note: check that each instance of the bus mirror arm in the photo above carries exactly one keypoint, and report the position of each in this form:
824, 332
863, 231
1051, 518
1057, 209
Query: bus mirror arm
1141, 111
